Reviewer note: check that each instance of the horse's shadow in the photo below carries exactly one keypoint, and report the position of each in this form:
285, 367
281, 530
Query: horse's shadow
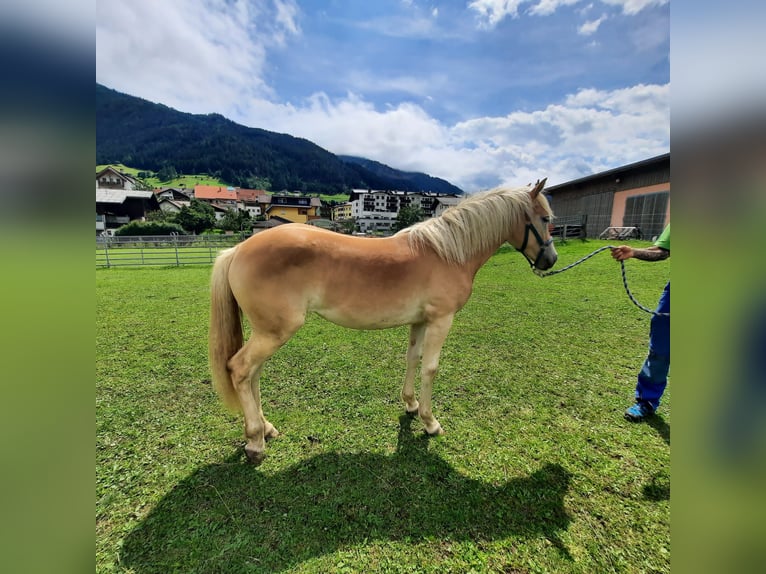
231, 516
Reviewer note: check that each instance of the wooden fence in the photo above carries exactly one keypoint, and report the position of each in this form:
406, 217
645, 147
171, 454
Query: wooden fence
570, 227
162, 250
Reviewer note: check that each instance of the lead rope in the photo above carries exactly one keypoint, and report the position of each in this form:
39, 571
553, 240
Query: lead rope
624, 278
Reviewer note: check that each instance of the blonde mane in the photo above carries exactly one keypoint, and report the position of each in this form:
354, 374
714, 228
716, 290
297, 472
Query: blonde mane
478, 223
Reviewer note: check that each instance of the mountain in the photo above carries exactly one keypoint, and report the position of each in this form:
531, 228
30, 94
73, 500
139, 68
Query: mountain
150, 136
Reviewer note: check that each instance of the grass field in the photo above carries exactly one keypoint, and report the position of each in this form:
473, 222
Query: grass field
188, 181
538, 472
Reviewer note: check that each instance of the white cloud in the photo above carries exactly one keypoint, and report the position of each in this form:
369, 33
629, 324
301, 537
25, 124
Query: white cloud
286, 17
212, 57
201, 55
631, 7
548, 7
418, 86
491, 12
591, 26
589, 131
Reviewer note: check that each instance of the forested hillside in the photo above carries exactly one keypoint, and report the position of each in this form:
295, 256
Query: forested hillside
151, 136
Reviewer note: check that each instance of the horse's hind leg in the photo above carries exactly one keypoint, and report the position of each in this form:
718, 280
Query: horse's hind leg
269, 431
435, 334
245, 368
414, 352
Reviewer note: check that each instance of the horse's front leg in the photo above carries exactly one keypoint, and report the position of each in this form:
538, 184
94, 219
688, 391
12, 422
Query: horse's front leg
414, 353
433, 340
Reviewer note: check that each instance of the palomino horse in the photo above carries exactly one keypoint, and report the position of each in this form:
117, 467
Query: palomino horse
419, 277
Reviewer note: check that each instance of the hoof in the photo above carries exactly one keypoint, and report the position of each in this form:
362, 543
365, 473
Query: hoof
438, 431
255, 457
270, 432
411, 414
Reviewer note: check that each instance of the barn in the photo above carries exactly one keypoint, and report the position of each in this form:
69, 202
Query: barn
632, 201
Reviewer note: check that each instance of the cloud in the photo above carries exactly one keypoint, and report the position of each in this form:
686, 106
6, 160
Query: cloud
588, 131
215, 56
548, 7
631, 7
491, 12
591, 26
201, 55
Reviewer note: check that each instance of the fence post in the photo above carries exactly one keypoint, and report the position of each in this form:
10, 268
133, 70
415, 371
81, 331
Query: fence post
175, 244
106, 251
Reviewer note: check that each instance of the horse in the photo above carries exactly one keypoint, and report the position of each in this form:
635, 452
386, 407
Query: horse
421, 276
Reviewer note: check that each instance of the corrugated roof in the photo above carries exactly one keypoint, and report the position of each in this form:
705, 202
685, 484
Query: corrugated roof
104, 195
110, 195
610, 172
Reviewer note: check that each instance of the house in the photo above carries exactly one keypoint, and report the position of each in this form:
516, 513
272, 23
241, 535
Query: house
111, 178
116, 207
376, 210
267, 224
251, 200
443, 203
221, 209
119, 201
173, 205
297, 209
634, 196
176, 193
341, 212
218, 194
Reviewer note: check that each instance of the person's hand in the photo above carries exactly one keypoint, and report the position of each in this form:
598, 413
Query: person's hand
622, 252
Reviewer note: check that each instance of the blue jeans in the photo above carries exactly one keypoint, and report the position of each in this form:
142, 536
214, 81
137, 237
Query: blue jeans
653, 377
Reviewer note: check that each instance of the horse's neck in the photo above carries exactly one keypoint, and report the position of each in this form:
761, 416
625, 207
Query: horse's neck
478, 260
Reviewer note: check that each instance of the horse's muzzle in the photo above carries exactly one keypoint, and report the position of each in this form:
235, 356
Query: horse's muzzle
546, 258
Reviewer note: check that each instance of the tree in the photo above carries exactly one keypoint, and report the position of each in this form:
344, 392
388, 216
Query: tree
197, 217
235, 220
347, 226
149, 228
166, 173
408, 216
160, 215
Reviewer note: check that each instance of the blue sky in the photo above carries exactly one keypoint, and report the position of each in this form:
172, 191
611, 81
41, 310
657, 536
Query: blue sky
479, 92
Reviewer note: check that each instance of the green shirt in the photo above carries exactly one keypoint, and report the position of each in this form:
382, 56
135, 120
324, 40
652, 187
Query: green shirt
663, 241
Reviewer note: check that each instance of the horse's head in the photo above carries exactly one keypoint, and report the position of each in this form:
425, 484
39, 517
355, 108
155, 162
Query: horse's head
535, 241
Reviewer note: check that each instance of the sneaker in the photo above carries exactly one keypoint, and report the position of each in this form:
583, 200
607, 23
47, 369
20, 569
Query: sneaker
639, 412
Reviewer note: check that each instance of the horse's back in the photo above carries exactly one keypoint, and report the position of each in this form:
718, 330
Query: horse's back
356, 282
299, 257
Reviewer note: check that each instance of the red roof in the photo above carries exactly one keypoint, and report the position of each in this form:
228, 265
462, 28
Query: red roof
215, 193
253, 195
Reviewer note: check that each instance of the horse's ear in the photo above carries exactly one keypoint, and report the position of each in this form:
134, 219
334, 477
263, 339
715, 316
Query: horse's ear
538, 188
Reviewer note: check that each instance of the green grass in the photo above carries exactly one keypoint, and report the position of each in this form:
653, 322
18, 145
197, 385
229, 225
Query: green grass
187, 181
538, 472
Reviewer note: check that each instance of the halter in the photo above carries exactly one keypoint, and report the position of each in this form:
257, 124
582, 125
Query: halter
543, 245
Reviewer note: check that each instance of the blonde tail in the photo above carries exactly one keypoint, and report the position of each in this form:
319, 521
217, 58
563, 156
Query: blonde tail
225, 334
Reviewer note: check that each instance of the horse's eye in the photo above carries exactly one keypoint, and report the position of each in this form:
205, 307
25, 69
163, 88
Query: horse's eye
546, 219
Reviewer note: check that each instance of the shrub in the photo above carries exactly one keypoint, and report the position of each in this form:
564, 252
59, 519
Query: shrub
150, 228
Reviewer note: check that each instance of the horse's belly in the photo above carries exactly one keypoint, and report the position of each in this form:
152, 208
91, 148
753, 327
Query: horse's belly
370, 318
